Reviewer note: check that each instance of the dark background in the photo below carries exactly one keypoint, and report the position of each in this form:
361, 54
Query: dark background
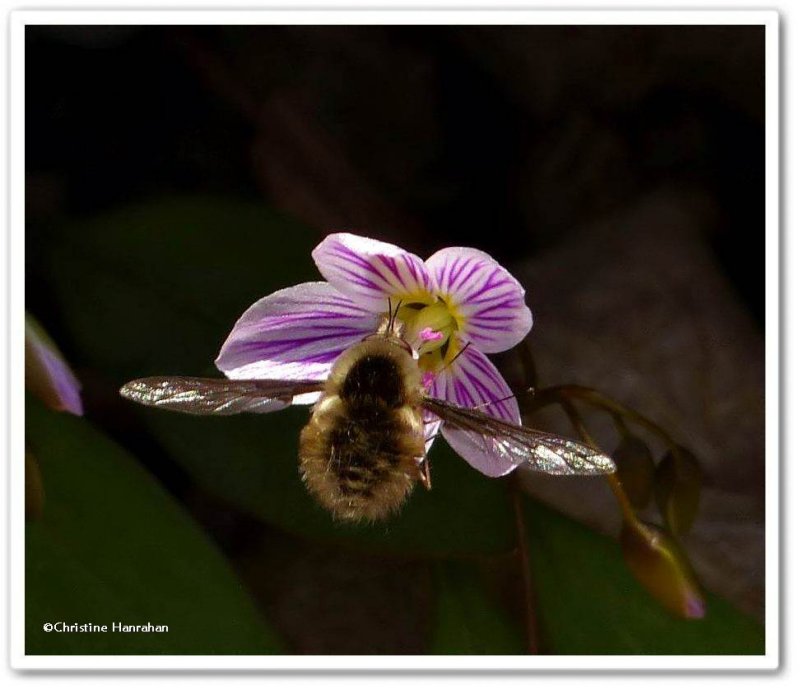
576, 155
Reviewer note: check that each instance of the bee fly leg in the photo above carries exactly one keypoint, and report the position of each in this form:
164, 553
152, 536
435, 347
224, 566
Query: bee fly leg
425, 473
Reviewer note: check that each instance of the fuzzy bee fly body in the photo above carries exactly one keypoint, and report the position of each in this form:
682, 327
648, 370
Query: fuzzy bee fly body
360, 452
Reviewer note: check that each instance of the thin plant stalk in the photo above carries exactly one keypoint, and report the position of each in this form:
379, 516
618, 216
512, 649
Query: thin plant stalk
523, 556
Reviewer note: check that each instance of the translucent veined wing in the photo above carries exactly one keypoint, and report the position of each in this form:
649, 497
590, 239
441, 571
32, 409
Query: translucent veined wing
539, 450
205, 396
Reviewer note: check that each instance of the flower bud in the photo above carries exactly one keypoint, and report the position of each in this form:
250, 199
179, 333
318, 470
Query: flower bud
677, 489
635, 469
658, 563
47, 375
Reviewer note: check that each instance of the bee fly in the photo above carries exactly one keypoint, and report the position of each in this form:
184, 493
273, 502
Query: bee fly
363, 448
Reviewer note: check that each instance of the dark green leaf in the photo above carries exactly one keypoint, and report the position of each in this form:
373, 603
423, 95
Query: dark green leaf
112, 545
155, 290
589, 603
466, 619
252, 462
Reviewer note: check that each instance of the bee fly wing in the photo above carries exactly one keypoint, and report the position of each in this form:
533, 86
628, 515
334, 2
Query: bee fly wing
539, 450
207, 396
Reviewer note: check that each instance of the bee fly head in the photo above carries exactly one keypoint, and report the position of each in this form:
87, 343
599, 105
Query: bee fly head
390, 329
392, 340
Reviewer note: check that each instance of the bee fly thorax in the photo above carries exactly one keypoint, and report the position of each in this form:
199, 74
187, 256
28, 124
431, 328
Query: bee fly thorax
376, 371
359, 453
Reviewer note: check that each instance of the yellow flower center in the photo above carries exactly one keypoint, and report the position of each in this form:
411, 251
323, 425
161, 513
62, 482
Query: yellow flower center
430, 328
435, 361
430, 325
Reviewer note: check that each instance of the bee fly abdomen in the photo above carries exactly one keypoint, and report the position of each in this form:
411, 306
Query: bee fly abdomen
363, 457
359, 452
359, 467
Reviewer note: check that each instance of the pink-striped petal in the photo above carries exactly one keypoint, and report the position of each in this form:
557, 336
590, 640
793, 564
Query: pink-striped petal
370, 272
294, 334
473, 381
488, 299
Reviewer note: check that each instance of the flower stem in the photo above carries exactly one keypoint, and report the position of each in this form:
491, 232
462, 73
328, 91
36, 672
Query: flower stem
523, 555
628, 513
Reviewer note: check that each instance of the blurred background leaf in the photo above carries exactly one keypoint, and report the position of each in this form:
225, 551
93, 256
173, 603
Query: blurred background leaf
467, 620
161, 284
252, 462
589, 603
113, 546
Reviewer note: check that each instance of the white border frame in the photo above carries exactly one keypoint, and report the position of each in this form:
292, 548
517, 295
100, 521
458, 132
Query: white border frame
20, 19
